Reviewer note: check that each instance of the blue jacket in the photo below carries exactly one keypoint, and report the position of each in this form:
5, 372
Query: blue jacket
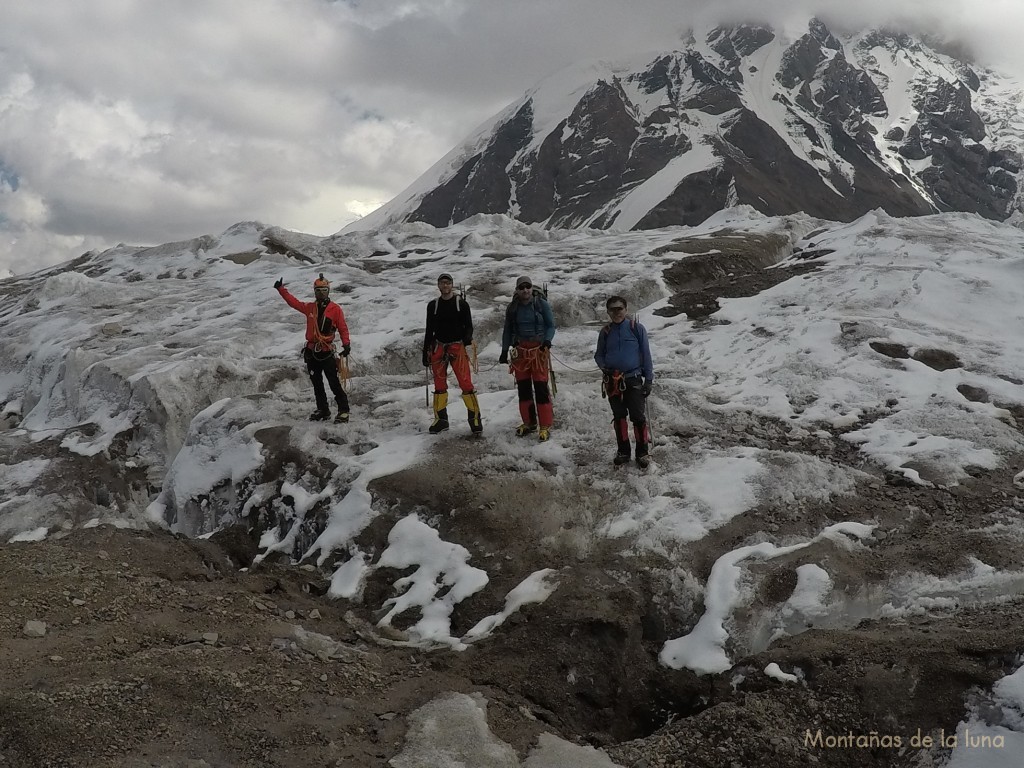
624, 347
532, 321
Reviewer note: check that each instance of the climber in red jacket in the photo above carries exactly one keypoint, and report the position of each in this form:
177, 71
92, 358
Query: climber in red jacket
323, 317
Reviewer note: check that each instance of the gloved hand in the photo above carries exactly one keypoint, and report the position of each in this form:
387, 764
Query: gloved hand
504, 356
426, 359
546, 344
467, 343
648, 386
345, 349
279, 283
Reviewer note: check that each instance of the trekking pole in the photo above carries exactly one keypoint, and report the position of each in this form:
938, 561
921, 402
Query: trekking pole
476, 364
426, 385
650, 422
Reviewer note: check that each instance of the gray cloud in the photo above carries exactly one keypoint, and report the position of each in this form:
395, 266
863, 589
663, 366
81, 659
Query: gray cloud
147, 121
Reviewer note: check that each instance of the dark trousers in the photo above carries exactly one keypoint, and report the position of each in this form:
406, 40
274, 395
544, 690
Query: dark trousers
319, 365
627, 400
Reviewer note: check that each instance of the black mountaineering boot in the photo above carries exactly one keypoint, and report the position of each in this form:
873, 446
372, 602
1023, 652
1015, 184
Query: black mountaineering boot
319, 415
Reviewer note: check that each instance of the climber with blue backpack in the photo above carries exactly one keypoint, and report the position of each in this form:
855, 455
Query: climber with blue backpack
529, 330
624, 356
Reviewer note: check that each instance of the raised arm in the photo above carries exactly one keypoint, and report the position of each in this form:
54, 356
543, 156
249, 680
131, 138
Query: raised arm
292, 302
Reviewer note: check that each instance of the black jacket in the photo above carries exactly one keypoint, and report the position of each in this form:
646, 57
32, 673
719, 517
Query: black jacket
447, 322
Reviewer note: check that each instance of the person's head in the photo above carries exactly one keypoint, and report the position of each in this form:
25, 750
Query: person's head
445, 284
321, 289
616, 306
524, 289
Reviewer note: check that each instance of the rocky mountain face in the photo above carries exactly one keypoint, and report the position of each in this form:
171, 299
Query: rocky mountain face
830, 125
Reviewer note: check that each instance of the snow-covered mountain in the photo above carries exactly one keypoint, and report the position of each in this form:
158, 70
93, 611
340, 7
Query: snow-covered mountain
827, 124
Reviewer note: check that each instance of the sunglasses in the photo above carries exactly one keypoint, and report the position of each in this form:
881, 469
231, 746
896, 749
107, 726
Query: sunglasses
616, 309
524, 287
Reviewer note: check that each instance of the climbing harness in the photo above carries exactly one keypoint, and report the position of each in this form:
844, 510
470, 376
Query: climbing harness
612, 383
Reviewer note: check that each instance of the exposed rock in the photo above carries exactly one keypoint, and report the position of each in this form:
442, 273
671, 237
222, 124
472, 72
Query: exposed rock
1007, 159
913, 148
34, 628
890, 349
800, 61
938, 359
625, 128
974, 394
481, 186
735, 43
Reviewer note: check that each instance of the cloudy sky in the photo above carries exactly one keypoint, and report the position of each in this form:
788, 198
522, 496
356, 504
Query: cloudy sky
145, 121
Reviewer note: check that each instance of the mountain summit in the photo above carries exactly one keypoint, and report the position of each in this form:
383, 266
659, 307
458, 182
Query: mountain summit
832, 125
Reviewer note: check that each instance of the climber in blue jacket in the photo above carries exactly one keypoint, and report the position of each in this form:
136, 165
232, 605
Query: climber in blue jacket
624, 356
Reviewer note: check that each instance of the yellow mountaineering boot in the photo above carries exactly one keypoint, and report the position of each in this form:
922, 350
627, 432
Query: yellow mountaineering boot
476, 424
440, 413
544, 434
524, 429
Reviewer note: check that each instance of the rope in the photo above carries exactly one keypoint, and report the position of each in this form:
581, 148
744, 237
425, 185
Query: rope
344, 372
595, 369
378, 379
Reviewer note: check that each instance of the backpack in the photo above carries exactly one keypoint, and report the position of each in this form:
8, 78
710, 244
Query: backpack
632, 326
460, 295
539, 292
606, 329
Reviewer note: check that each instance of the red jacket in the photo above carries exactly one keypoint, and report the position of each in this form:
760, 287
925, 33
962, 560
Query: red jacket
319, 330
